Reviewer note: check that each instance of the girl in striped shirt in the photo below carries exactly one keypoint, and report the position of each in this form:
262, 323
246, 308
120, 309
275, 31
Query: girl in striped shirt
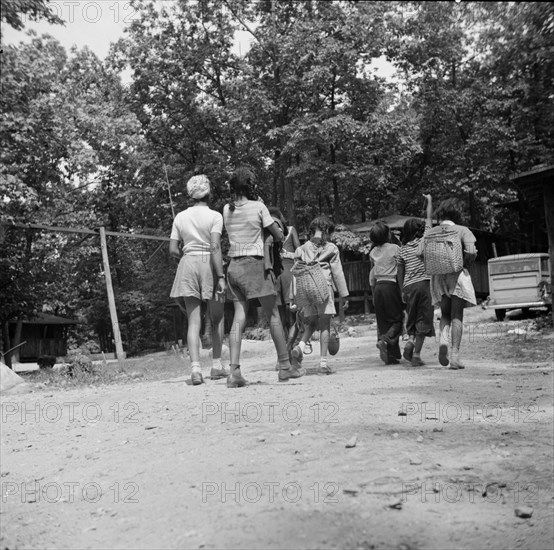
416, 290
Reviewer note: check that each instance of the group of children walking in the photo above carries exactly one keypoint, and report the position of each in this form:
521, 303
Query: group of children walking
398, 280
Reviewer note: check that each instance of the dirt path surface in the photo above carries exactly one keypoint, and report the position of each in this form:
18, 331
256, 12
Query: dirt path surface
442, 459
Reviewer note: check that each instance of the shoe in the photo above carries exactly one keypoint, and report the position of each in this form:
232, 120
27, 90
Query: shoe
443, 355
196, 378
456, 364
236, 380
409, 351
296, 357
383, 351
392, 361
327, 369
417, 362
286, 374
217, 374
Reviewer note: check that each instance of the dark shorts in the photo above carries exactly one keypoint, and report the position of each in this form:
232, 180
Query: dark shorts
419, 309
247, 279
388, 309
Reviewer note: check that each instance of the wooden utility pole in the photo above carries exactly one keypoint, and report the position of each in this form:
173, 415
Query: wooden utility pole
119, 353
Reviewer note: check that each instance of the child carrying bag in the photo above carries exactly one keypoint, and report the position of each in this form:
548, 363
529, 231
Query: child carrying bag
442, 251
311, 284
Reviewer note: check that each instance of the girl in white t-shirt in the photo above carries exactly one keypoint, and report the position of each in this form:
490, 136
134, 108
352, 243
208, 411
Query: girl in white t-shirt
199, 276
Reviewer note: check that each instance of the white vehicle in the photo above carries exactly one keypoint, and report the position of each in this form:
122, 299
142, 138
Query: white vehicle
519, 281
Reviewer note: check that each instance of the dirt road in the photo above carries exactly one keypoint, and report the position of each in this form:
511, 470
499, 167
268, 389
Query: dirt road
442, 459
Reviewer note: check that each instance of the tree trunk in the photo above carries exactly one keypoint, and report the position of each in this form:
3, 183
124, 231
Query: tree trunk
281, 185
336, 196
274, 190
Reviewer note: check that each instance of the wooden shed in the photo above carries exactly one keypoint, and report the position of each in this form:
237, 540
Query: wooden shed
43, 334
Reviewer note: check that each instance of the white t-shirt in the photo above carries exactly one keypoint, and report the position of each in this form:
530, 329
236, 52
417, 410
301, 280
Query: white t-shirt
245, 228
194, 227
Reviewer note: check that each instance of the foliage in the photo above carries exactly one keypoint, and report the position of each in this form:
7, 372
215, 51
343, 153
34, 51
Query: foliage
14, 12
471, 105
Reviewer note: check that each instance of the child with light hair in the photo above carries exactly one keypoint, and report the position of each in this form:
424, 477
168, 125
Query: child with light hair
196, 242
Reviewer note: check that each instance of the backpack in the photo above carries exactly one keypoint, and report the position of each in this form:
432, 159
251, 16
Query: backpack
311, 284
442, 251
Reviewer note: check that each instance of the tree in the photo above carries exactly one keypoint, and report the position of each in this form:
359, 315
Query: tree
14, 12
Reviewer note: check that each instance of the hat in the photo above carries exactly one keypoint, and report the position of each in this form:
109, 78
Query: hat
198, 187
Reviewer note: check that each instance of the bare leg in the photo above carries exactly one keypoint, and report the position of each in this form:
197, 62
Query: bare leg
235, 335
457, 313
418, 345
216, 310
194, 314
286, 371
446, 304
310, 324
324, 331
271, 310
194, 324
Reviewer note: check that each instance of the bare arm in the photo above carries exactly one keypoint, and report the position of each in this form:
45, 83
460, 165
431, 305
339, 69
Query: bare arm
275, 231
429, 212
217, 262
174, 250
294, 237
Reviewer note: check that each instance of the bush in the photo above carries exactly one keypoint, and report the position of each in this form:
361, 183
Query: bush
79, 363
544, 322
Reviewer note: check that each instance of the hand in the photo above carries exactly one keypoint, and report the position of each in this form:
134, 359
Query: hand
220, 290
293, 307
345, 305
427, 198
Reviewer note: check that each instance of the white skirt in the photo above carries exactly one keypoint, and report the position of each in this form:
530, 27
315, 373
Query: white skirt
453, 284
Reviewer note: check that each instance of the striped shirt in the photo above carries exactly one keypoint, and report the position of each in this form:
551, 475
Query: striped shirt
245, 228
414, 268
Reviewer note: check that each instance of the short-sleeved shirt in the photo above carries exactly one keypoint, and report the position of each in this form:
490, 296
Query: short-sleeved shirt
245, 227
385, 258
414, 268
466, 236
194, 227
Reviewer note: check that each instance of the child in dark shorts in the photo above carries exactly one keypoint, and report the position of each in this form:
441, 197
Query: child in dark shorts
416, 291
386, 293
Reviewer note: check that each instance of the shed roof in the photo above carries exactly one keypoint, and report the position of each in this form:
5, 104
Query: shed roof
47, 319
394, 221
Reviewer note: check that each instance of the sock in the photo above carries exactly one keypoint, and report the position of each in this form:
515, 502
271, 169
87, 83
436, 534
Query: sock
416, 354
283, 361
302, 345
196, 367
323, 362
217, 364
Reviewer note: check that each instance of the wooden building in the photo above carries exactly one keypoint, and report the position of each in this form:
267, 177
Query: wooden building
43, 335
